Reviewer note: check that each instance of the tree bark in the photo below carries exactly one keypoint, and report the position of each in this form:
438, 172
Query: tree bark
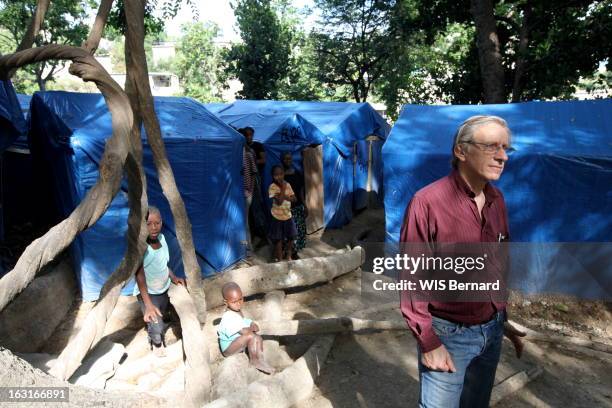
95, 34
44, 249
95, 323
283, 275
533, 335
489, 55
514, 383
521, 59
197, 371
134, 13
326, 326
93, 328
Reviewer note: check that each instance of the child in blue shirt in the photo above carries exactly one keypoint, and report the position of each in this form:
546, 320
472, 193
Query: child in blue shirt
237, 333
153, 278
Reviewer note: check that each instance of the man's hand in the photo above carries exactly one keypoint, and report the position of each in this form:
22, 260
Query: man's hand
514, 335
151, 313
178, 281
254, 327
438, 359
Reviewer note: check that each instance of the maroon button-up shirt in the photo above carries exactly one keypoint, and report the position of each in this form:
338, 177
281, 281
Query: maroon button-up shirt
445, 211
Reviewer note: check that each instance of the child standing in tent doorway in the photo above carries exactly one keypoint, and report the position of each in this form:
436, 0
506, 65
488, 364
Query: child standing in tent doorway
282, 227
153, 279
237, 333
298, 210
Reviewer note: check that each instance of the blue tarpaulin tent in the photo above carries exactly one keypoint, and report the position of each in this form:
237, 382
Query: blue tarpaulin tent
339, 127
12, 127
557, 186
69, 131
24, 103
12, 121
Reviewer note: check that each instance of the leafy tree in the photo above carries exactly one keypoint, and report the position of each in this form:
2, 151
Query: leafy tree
197, 61
355, 41
599, 85
64, 24
116, 24
544, 48
301, 82
261, 61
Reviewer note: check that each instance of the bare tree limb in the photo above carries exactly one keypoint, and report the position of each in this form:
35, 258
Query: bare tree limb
44, 249
198, 382
326, 326
134, 14
92, 42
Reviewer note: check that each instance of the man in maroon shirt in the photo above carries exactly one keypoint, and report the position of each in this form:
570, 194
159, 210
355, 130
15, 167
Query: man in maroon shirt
459, 343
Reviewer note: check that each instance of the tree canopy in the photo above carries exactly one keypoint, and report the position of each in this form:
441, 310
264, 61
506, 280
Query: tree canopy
197, 62
261, 61
64, 24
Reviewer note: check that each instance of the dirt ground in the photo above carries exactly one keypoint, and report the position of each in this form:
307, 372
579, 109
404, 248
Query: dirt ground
379, 369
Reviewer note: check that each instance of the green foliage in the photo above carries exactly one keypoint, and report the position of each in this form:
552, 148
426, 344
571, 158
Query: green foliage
599, 85
64, 24
301, 82
354, 41
567, 39
197, 62
261, 61
116, 24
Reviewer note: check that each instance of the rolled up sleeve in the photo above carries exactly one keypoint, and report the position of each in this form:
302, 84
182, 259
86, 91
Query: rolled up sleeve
415, 228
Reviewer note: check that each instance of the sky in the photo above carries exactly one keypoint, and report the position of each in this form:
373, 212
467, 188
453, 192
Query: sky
219, 12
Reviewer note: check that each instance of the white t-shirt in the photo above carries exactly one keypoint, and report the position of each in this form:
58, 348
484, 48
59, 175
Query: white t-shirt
231, 324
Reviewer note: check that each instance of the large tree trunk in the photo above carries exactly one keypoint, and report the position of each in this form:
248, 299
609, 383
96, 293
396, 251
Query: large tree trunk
191, 309
44, 249
491, 68
521, 59
283, 275
197, 371
134, 13
93, 328
326, 326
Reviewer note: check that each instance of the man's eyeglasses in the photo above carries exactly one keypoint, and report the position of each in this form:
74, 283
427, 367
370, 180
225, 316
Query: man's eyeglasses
493, 148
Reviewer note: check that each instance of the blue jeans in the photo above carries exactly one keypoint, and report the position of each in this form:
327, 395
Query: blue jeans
475, 351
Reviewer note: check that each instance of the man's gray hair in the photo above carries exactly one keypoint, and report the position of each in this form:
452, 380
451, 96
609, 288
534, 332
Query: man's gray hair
466, 131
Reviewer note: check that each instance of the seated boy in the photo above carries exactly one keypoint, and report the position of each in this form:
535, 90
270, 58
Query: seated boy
237, 333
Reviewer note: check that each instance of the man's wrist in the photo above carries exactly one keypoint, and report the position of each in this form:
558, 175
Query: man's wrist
428, 341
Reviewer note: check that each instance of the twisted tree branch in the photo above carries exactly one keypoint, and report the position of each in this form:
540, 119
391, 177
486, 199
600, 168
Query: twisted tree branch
44, 249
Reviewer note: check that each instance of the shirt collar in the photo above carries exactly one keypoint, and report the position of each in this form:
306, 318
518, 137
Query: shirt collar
489, 191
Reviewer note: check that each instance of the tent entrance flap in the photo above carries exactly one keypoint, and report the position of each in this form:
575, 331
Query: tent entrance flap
312, 158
